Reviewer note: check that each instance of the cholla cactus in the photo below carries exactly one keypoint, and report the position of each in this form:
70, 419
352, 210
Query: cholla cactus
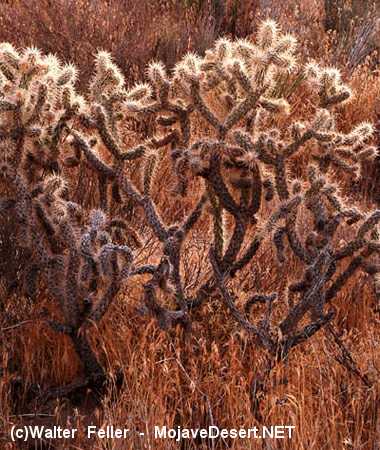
238, 90
83, 268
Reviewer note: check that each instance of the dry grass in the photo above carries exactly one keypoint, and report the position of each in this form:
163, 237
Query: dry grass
134, 32
204, 378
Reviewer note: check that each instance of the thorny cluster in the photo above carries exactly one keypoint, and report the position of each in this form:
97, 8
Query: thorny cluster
238, 90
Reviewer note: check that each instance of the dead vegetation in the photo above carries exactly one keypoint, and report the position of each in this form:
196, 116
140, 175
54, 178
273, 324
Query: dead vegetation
190, 246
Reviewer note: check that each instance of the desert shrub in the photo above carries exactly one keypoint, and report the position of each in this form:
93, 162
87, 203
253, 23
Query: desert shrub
226, 136
355, 26
134, 32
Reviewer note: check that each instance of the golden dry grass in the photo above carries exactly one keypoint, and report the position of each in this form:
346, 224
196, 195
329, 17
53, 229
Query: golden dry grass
205, 378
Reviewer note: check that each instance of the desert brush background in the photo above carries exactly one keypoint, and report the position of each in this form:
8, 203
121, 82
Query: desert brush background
147, 148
